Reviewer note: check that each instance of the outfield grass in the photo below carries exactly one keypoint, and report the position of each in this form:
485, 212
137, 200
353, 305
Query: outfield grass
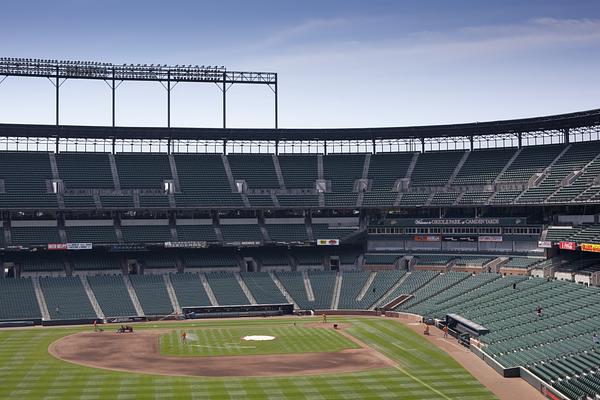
27, 371
226, 341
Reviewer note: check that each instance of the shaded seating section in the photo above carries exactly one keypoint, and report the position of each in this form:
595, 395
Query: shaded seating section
324, 231
340, 199
189, 290
300, 200
159, 260
17, 300
381, 259
444, 198
146, 233
260, 200
242, 232
574, 159
386, 169
143, 170
34, 235
379, 199
94, 261
287, 232
434, 259
226, 289
196, 232
263, 288
91, 234
504, 197
210, 258
435, 168
483, 166
43, 263
309, 256
322, 283
473, 197
152, 294
478, 261
112, 295
294, 285
31, 192
560, 234
79, 201
299, 171
257, 170
116, 201
531, 160
159, 201
66, 298
413, 199
272, 256
435, 286
84, 170
342, 170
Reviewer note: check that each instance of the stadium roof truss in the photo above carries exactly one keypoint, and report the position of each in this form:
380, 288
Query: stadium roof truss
114, 75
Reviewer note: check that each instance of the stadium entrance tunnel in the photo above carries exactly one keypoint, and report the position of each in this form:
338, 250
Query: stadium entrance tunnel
138, 352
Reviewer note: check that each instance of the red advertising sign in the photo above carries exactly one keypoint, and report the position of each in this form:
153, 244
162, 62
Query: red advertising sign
568, 245
427, 238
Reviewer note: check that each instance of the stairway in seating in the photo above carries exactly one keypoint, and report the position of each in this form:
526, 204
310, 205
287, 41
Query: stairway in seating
41, 300
390, 291
171, 293
245, 288
208, 289
282, 289
310, 295
92, 297
337, 290
462, 162
366, 287
133, 295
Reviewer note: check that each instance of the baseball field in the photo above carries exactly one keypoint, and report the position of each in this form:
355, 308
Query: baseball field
274, 358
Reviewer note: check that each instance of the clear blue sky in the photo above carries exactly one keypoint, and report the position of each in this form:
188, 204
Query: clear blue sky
341, 63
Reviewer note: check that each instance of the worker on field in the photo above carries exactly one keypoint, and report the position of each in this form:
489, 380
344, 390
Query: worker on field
183, 337
324, 318
426, 331
445, 329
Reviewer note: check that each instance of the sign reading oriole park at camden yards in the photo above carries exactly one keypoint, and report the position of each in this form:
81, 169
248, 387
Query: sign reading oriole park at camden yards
593, 247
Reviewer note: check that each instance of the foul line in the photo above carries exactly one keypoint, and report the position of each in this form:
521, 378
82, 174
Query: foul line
421, 382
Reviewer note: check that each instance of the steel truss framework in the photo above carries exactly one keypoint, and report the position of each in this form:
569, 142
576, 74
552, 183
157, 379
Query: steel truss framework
57, 72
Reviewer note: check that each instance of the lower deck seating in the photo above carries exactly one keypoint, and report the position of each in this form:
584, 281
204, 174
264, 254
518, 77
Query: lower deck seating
66, 298
189, 290
112, 295
263, 288
152, 294
226, 288
322, 283
17, 300
294, 285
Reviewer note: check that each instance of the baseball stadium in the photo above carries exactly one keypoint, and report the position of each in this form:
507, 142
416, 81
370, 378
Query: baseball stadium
319, 217
426, 262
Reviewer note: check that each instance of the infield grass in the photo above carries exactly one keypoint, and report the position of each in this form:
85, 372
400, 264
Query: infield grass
227, 341
27, 371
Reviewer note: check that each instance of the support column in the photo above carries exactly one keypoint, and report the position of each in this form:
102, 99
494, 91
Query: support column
566, 133
113, 90
168, 99
276, 105
224, 102
422, 145
520, 139
57, 84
